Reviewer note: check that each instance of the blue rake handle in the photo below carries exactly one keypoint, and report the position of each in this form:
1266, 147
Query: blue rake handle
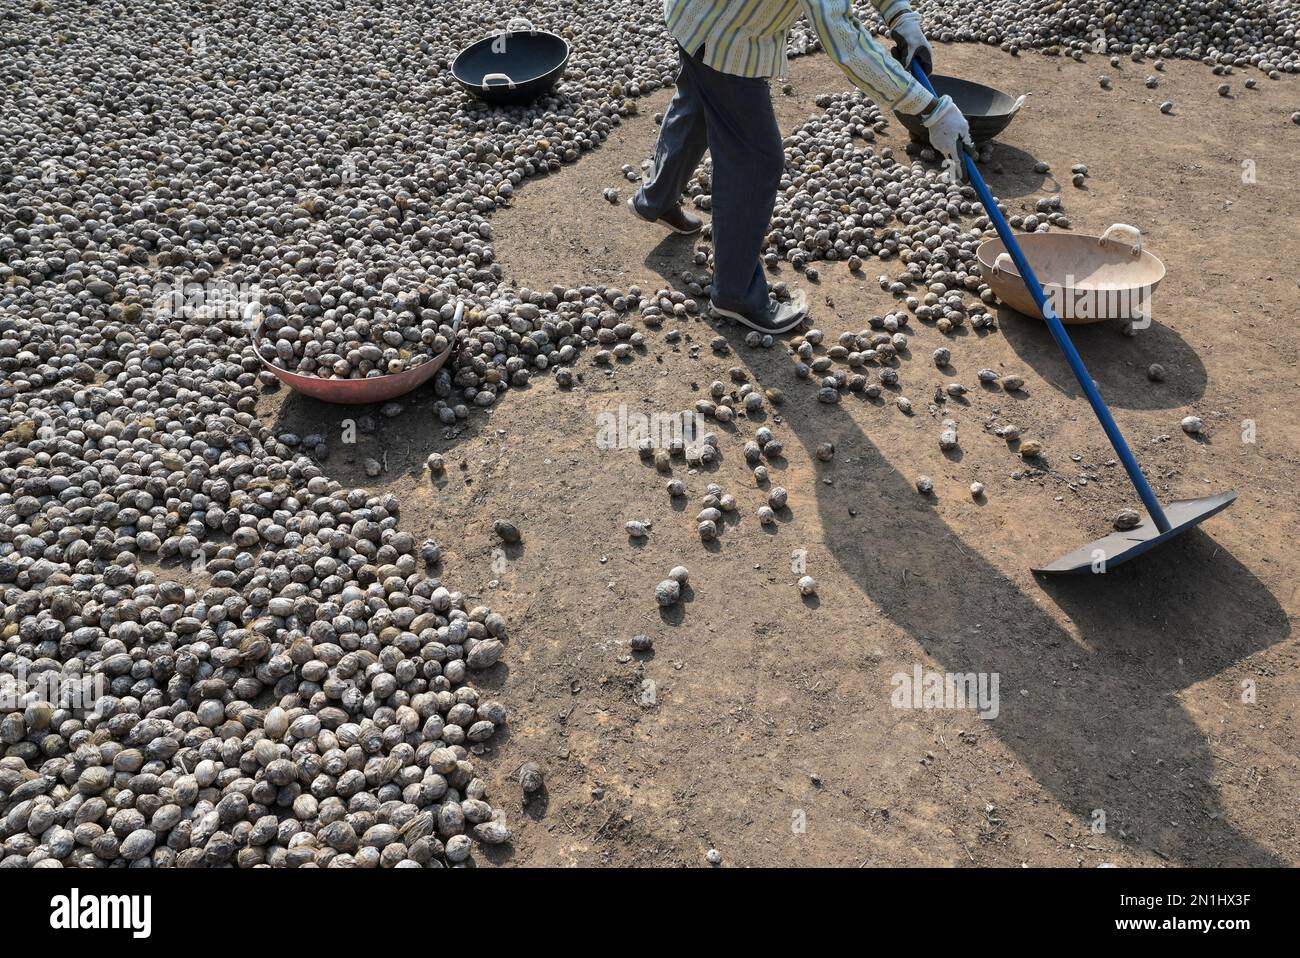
1058, 332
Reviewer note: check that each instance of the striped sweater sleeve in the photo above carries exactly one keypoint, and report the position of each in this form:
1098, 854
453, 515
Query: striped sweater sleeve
861, 56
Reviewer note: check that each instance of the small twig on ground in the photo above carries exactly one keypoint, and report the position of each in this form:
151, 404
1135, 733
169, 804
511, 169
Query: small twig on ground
596, 833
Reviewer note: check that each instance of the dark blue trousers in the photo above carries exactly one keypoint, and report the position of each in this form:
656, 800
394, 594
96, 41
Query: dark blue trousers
732, 118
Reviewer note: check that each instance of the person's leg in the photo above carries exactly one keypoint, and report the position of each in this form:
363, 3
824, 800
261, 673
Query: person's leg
681, 145
745, 143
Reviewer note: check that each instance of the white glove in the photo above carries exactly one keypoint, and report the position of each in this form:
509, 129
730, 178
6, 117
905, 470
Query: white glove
907, 31
948, 131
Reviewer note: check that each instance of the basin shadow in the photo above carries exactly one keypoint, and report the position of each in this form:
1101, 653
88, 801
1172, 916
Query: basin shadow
1018, 176
400, 444
1118, 363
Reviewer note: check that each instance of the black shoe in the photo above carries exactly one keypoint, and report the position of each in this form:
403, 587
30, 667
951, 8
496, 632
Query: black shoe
779, 317
676, 219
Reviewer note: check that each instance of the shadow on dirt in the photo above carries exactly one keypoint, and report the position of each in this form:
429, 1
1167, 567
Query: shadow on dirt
1118, 363
1097, 721
354, 434
671, 257
1017, 176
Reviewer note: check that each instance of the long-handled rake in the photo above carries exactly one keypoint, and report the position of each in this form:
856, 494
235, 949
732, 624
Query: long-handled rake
1161, 524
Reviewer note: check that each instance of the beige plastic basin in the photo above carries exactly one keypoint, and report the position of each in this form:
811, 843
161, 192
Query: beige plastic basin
1087, 278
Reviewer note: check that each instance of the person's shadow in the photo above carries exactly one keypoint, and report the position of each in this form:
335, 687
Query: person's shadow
1099, 724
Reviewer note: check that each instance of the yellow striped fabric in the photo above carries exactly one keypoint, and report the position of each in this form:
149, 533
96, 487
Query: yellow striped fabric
748, 37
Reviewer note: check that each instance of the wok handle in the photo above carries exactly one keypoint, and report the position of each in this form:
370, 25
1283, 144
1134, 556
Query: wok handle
1058, 332
1117, 233
1015, 107
489, 78
528, 25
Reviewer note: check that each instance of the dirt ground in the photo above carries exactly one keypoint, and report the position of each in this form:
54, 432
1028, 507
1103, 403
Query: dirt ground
1147, 717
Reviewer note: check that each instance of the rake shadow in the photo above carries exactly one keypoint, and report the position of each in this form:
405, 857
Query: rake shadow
1101, 717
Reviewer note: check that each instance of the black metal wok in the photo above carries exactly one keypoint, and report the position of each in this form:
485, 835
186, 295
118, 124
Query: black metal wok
988, 111
512, 65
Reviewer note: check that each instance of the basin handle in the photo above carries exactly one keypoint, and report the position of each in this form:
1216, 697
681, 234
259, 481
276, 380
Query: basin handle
1003, 262
527, 24
253, 320
1123, 233
493, 77
1015, 107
